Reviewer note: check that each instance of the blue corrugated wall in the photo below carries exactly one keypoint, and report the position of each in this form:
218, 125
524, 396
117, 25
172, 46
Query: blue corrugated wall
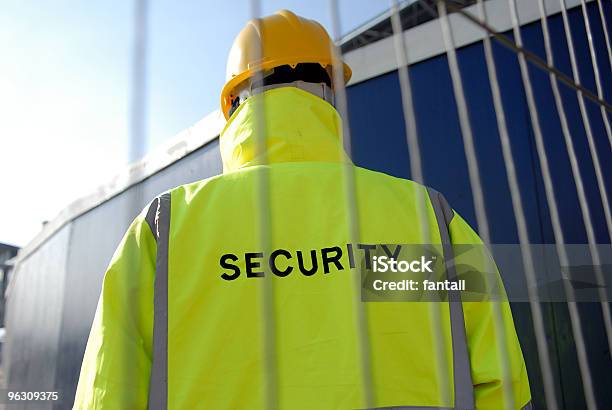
379, 143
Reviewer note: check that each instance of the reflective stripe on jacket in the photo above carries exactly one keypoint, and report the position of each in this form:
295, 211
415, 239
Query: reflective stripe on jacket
240, 291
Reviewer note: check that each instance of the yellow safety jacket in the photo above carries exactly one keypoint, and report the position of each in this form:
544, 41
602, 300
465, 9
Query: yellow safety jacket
241, 291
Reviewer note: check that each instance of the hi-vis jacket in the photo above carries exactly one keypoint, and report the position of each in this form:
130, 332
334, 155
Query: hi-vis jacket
238, 291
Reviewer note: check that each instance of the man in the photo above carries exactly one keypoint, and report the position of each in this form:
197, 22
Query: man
238, 292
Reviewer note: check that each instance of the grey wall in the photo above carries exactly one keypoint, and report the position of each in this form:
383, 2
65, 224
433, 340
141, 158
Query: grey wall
34, 315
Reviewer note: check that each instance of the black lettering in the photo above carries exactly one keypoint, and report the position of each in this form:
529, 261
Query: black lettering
224, 264
326, 259
275, 270
395, 253
351, 256
251, 264
313, 258
366, 249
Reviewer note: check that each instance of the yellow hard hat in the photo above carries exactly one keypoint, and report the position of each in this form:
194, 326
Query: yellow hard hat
282, 39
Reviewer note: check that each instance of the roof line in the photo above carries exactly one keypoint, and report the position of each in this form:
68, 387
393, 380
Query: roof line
362, 28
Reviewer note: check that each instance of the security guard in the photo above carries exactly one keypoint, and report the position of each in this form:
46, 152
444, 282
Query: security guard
204, 307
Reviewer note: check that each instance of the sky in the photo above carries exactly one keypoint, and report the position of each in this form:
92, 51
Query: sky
65, 89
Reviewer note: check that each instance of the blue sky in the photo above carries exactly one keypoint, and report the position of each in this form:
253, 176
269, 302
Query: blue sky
65, 88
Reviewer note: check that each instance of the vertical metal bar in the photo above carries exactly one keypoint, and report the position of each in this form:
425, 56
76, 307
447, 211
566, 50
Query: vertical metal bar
136, 148
264, 227
416, 173
584, 206
137, 138
466, 128
604, 26
477, 192
521, 223
554, 213
361, 319
416, 167
587, 25
587, 122
137, 142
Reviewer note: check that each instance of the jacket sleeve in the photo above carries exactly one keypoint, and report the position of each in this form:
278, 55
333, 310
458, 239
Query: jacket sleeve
492, 339
117, 361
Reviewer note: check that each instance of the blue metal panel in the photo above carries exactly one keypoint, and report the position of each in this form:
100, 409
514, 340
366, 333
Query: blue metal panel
379, 143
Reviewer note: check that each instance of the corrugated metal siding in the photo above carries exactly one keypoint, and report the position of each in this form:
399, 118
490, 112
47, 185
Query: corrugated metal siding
34, 317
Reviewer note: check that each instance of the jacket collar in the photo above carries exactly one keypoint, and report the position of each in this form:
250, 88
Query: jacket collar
299, 127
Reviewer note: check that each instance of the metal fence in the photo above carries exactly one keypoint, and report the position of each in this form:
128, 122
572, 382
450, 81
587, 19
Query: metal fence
535, 71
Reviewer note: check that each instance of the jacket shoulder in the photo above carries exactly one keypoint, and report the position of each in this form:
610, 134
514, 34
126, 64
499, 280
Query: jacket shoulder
404, 183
